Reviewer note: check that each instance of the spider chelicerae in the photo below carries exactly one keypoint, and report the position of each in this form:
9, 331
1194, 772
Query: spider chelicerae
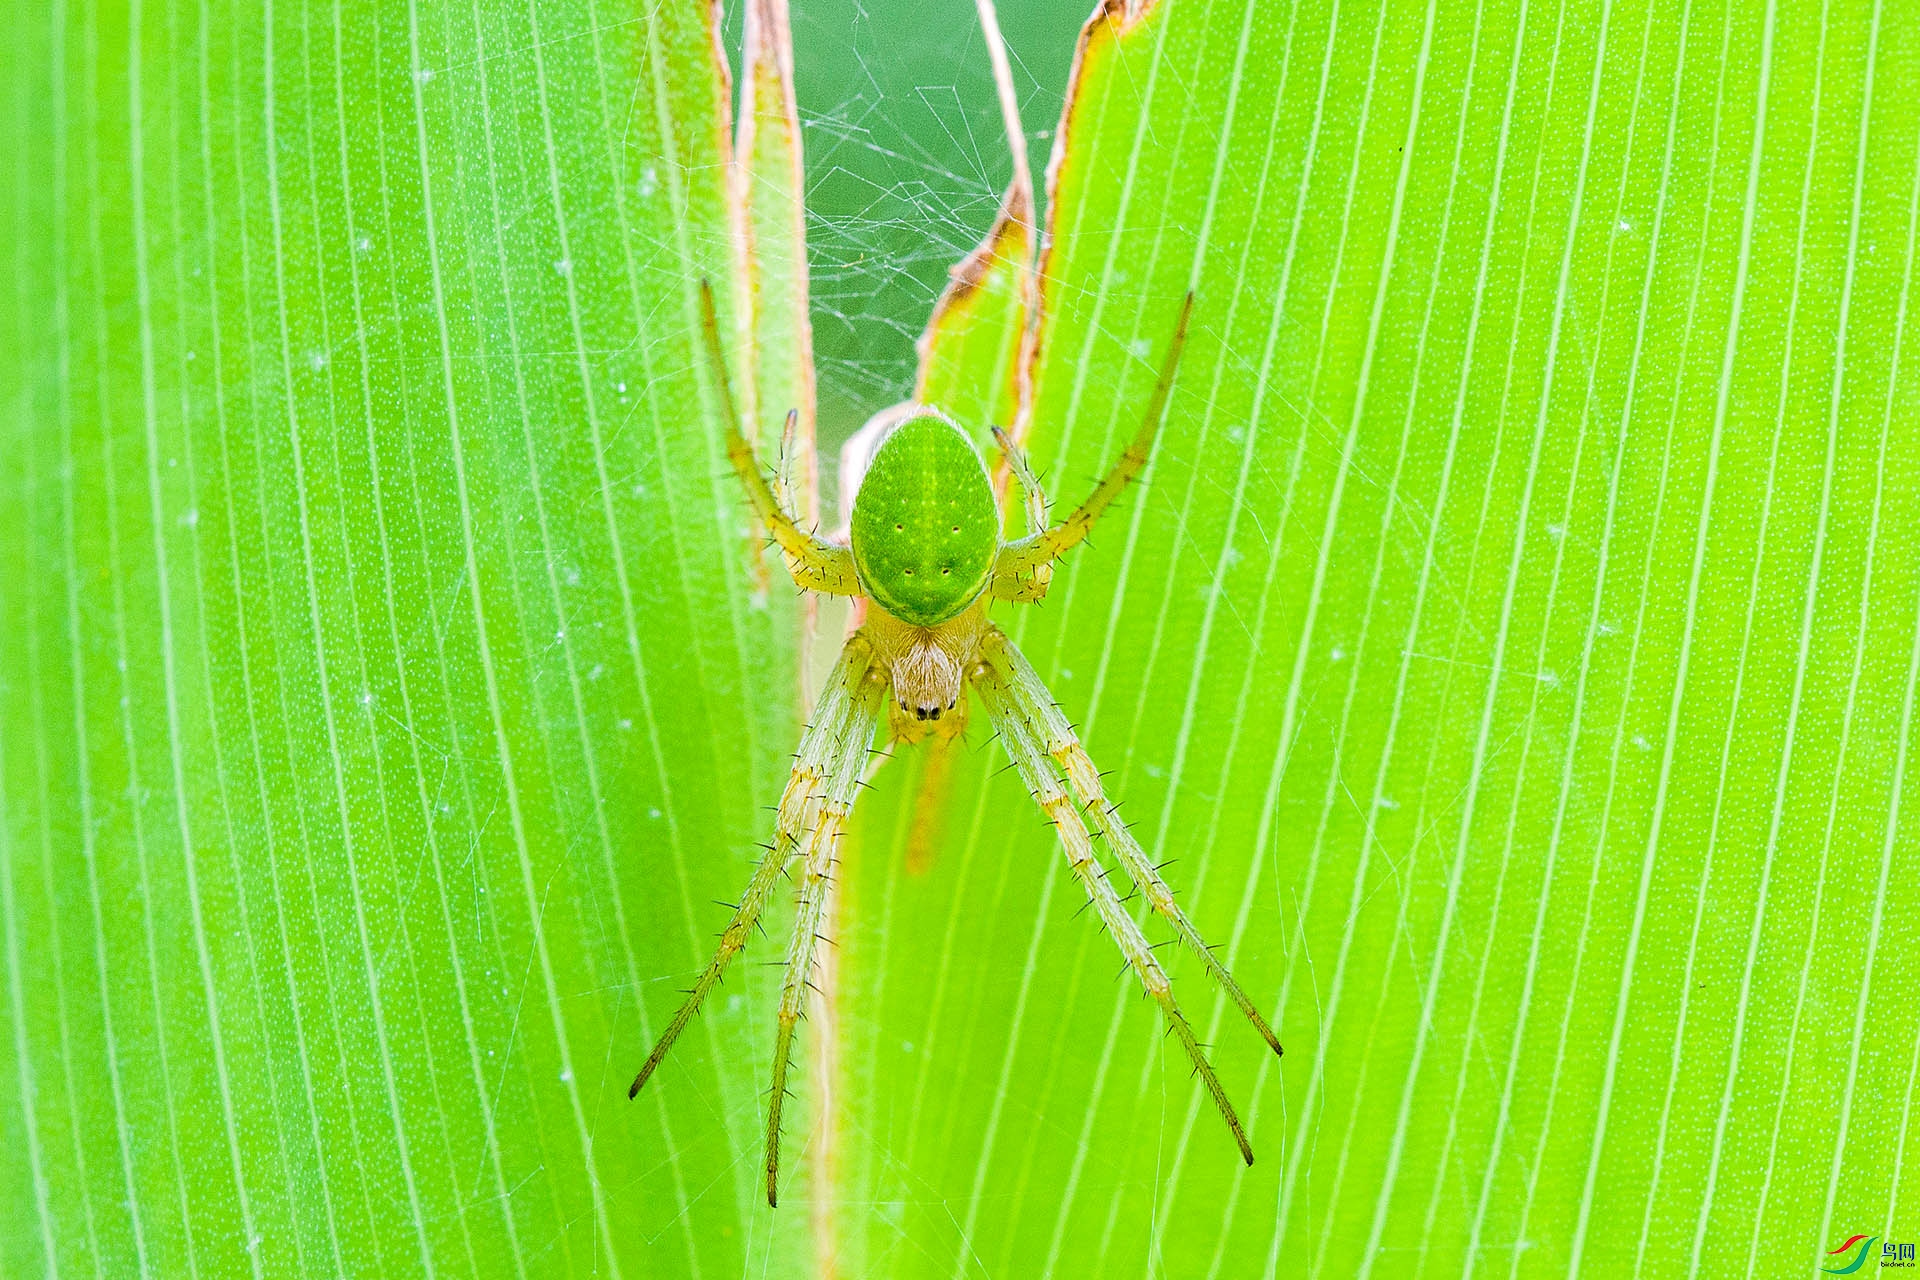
926, 553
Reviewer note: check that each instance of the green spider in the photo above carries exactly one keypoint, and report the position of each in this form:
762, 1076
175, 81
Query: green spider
926, 553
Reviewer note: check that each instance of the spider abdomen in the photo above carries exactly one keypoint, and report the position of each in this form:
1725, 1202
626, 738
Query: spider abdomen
925, 527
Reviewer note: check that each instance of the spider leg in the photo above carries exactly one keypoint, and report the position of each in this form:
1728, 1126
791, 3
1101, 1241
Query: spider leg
1017, 571
832, 753
816, 878
816, 564
1063, 746
821, 844
1009, 714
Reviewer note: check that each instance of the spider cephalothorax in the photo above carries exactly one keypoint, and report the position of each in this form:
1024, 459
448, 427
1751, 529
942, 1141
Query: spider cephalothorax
925, 550
927, 666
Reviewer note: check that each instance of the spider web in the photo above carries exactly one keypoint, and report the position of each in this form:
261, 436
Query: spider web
906, 163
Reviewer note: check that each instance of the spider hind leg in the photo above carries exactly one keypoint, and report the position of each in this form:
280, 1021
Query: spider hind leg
822, 846
813, 810
1012, 711
1063, 746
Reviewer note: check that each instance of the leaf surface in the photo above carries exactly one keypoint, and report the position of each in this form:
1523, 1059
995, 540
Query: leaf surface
384, 693
1512, 651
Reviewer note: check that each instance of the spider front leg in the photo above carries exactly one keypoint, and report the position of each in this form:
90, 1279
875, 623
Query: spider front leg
813, 809
816, 564
1062, 745
1022, 569
1012, 713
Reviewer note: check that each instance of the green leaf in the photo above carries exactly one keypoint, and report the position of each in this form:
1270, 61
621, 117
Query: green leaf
1513, 646
383, 688
1513, 649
